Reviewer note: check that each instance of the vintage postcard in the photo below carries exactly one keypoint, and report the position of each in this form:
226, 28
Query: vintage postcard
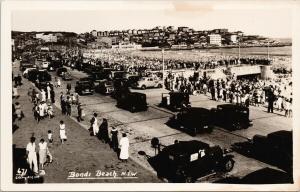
150, 95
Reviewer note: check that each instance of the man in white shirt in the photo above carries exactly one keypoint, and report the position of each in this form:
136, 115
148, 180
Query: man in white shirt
31, 155
124, 146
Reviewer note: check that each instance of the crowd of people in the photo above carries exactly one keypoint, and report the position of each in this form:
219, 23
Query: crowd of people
245, 92
136, 63
38, 156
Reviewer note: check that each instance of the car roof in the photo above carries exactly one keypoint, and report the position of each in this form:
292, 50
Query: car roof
232, 106
185, 147
197, 110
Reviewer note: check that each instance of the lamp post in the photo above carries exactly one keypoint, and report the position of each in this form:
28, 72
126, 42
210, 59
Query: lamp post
268, 50
163, 60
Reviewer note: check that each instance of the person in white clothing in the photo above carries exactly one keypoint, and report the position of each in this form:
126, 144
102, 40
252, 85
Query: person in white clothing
48, 92
94, 124
58, 82
41, 110
43, 94
31, 155
124, 147
62, 132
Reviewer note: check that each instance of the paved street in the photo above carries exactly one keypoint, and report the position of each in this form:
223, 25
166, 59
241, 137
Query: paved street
81, 153
143, 126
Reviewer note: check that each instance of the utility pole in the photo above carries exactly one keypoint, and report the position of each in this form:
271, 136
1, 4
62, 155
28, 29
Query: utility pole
268, 50
163, 60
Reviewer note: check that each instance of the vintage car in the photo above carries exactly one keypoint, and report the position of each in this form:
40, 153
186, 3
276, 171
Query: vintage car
45, 64
54, 65
38, 76
84, 86
231, 117
24, 65
104, 87
192, 120
120, 87
67, 76
132, 101
175, 100
26, 71
186, 161
60, 71
148, 82
275, 148
132, 80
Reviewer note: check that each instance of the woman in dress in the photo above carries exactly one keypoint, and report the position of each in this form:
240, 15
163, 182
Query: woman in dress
124, 146
42, 153
62, 132
103, 131
43, 94
94, 124
114, 139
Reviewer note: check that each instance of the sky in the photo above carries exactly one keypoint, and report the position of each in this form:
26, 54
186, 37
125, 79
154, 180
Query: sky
270, 22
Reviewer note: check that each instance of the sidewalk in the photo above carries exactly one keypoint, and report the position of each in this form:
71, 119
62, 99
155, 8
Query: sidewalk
81, 153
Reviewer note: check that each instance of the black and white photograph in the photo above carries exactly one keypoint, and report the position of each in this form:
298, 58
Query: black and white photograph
149, 92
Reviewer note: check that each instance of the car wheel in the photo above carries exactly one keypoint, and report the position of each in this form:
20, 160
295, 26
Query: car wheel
189, 179
237, 126
143, 87
228, 165
159, 86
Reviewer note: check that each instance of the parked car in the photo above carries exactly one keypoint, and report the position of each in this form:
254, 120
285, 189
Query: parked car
232, 117
24, 65
26, 71
60, 71
67, 76
132, 101
132, 80
149, 82
38, 75
84, 86
175, 100
54, 65
45, 64
120, 87
192, 120
275, 148
186, 161
104, 87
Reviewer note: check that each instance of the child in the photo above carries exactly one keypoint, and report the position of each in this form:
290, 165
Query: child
62, 132
50, 139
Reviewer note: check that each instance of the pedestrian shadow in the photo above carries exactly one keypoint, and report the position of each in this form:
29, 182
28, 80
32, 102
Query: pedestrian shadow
21, 170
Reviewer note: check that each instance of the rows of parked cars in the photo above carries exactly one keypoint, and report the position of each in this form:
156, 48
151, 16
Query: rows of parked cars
183, 161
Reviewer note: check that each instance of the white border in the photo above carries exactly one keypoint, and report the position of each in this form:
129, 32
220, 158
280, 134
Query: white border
6, 150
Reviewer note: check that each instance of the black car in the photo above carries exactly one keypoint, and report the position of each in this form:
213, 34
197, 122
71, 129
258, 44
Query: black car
175, 100
54, 65
60, 71
104, 87
84, 86
275, 148
231, 117
38, 76
132, 80
132, 101
192, 120
186, 161
120, 87
92, 68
